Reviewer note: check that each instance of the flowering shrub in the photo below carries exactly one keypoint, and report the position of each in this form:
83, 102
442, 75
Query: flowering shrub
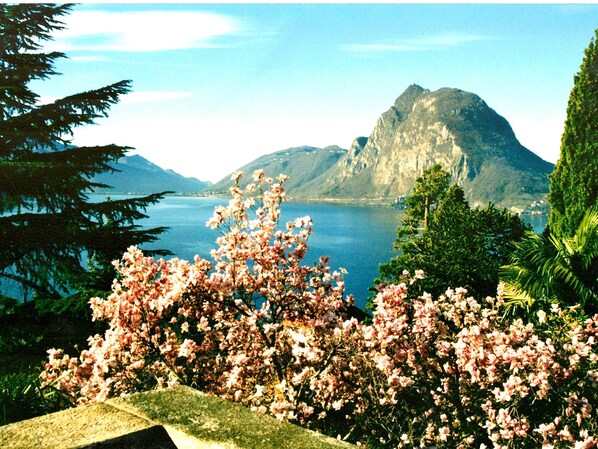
451, 373
256, 326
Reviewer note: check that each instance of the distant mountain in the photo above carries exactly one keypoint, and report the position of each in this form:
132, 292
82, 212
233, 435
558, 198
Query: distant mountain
301, 164
138, 175
449, 126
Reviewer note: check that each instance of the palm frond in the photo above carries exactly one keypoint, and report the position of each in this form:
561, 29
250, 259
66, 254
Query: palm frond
555, 269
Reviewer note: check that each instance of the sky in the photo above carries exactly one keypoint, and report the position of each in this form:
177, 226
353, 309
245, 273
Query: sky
215, 86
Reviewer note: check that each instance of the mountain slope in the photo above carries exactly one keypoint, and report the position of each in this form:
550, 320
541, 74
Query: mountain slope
301, 164
138, 175
454, 128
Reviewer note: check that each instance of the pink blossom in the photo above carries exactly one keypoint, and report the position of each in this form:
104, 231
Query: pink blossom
257, 326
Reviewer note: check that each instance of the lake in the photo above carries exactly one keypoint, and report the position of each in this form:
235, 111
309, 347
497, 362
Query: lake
354, 237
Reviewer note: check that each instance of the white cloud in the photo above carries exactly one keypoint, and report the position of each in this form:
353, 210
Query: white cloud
143, 31
422, 43
451, 40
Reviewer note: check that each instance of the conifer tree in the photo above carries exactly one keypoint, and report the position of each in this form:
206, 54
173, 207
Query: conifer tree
574, 181
460, 247
428, 192
48, 225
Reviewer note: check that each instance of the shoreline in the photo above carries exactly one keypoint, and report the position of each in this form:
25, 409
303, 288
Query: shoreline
359, 202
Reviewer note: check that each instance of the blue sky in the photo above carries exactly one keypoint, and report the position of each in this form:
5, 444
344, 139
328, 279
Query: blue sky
215, 86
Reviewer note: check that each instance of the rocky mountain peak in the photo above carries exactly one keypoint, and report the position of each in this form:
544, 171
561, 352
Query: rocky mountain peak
452, 127
448, 126
459, 108
405, 102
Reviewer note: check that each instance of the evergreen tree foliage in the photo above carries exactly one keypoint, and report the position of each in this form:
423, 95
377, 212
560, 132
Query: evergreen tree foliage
574, 181
461, 247
428, 191
48, 225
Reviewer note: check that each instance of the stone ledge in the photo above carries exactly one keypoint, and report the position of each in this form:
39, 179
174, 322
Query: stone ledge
191, 419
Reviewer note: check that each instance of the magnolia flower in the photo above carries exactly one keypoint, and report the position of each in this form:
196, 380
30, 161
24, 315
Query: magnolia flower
258, 175
272, 333
259, 391
555, 308
303, 222
236, 176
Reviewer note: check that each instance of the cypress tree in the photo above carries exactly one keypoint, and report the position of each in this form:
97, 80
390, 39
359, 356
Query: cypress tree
48, 225
574, 181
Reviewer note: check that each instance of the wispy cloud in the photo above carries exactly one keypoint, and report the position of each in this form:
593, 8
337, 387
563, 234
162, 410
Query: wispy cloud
422, 43
143, 31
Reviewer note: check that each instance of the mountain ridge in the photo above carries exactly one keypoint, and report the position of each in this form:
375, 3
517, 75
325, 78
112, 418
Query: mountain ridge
300, 164
448, 126
137, 175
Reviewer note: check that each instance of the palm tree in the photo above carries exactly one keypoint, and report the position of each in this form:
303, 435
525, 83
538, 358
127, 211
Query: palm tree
555, 269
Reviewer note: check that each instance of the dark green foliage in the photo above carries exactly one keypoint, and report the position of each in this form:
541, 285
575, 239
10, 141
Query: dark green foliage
461, 247
21, 397
574, 182
549, 268
48, 225
29, 329
26, 333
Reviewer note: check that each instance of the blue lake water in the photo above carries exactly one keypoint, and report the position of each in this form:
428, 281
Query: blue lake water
355, 238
